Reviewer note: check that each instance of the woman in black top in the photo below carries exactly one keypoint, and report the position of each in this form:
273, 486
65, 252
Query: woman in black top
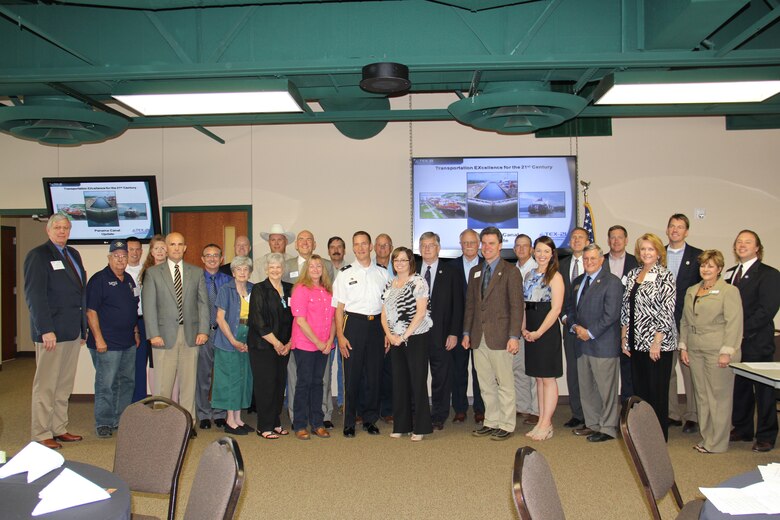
270, 328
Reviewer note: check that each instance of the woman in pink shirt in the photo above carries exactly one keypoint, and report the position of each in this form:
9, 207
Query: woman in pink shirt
312, 340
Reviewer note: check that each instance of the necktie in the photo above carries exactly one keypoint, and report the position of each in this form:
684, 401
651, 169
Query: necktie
576, 271
213, 300
177, 289
428, 280
69, 260
486, 279
584, 288
737, 276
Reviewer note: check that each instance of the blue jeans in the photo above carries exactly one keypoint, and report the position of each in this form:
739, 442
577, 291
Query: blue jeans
114, 384
307, 403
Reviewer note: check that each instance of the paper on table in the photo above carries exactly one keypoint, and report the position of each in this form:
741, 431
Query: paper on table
759, 498
764, 366
69, 489
770, 472
35, 459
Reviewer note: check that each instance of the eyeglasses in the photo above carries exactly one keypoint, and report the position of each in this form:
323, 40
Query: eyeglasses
469, 244
119, 257
211, 256
425, 247
400, 261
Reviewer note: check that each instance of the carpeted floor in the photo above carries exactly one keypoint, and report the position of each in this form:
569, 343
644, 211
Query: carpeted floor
450, 475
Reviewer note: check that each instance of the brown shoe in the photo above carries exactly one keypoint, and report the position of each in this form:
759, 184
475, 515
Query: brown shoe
459, 417
762, 446
583, 432
50, 443
68, 437
479, 417
321, 432
303, 435
531, 419
388, 419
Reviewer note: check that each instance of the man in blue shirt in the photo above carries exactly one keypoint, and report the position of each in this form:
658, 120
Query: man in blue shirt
112, 315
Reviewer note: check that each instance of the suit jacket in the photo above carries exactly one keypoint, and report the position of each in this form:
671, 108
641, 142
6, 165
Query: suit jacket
687, 276
654, 309
446, 303
460, 274
598, 311
628, 264
499, 315
760, 292
57, 299
161, 313
291, 266
564, 268
715, 322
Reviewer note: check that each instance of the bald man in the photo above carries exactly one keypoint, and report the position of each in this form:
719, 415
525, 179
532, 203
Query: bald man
241, 247
176, 315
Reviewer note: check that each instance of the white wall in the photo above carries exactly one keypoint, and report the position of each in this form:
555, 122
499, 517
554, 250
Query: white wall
312, 176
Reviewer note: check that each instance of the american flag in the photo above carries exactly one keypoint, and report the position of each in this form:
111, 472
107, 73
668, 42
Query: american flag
588, 223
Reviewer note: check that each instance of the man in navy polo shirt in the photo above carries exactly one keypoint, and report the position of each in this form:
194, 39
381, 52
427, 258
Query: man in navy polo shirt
112, 315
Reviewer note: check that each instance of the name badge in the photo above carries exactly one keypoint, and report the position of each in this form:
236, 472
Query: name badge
477, 274
294, 274
136, 291
716, 291
57, 265
651, 277
624, 280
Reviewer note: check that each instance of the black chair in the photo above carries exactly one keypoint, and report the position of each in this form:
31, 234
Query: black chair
533, 487
218, 482
645, 441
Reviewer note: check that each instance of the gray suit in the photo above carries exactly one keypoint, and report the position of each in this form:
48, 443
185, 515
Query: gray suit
598, 364
179, 355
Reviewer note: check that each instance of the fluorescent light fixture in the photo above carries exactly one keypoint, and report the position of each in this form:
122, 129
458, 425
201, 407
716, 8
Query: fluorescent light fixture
671, 88
211, 103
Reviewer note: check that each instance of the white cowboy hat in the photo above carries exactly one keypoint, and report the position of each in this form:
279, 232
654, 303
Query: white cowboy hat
277, 229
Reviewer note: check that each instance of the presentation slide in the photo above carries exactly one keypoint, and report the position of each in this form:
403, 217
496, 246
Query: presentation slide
531, 195
104, 210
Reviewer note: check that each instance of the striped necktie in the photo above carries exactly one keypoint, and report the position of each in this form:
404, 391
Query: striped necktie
486, 279
177, 288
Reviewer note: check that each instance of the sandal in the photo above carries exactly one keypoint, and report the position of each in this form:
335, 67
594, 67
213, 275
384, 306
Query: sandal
281, 431
268, 435
701, 449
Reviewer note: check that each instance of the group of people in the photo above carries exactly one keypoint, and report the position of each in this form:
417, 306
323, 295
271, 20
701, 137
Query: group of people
226, 337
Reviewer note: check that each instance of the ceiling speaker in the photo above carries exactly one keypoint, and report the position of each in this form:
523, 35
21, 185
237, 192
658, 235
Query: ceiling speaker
385, 78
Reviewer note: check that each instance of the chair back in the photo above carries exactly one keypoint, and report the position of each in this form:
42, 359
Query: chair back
645, 441
150, 446
533, 487
218, 482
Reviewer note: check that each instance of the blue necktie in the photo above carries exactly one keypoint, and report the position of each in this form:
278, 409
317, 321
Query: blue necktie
486, 279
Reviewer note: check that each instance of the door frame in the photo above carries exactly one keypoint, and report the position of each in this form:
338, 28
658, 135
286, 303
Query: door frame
167, 211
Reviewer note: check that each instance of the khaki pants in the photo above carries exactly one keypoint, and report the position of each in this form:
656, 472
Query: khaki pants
55, 372
180, 360
497, 384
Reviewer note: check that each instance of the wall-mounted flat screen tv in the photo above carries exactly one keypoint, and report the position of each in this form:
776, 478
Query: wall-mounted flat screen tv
102, 209
531, 195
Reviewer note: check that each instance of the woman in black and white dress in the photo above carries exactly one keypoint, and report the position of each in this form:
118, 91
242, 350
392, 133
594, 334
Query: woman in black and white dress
406, 320
649, 333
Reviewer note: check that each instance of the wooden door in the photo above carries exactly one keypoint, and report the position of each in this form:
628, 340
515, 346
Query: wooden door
8, 291
206, 225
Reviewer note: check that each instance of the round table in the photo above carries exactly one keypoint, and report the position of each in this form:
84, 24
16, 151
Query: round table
18, 498
710, 512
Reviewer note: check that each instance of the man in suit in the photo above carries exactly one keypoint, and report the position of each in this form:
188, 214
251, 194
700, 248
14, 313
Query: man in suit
469, 246
759, 287
571, 267
492, 326
620, 263
594, 321
383, 248
446, 307
293, 269
682, 261
525, 386
54, 288
176, 309
241, 247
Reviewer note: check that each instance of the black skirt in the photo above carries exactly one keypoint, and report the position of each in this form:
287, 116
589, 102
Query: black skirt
543, 357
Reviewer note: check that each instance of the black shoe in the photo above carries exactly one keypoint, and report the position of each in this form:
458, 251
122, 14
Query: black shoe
349, 432
370, 428
205, 424
674, 422
482, 432
193, 433
247, 428
574, 423
599, 437
500, 435
328, 425
438, 425
690, 427
235, 431
220, 423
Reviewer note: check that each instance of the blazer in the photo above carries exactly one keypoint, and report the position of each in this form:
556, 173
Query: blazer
760, 293
715, 322
161, 313
628, 264
291, 266
57, 299
229, 300
598, 311
268, 315
654, 310
446, 303
687, 276
460, 273
499, 314
564, 267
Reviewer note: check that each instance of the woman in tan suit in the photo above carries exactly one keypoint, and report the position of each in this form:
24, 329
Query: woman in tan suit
710, 338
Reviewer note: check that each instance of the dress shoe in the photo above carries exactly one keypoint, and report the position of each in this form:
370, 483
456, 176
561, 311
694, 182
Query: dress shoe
690, 427
321, 432
358, 419
238, 430
438, 425
247, 428
600, 437
388, 419
762, 446
50, 443
370, 428
583, 432
302, 435
674, 422
459, 418
220, 423
736, 437
67, 437
205, 424
193, 433
104, 432
479, 417
531, 419
349, 432
574, 423
484, 431
328, 424
500, 435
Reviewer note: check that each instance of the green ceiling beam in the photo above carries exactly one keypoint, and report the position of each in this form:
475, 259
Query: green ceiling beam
748, 33
683, 24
